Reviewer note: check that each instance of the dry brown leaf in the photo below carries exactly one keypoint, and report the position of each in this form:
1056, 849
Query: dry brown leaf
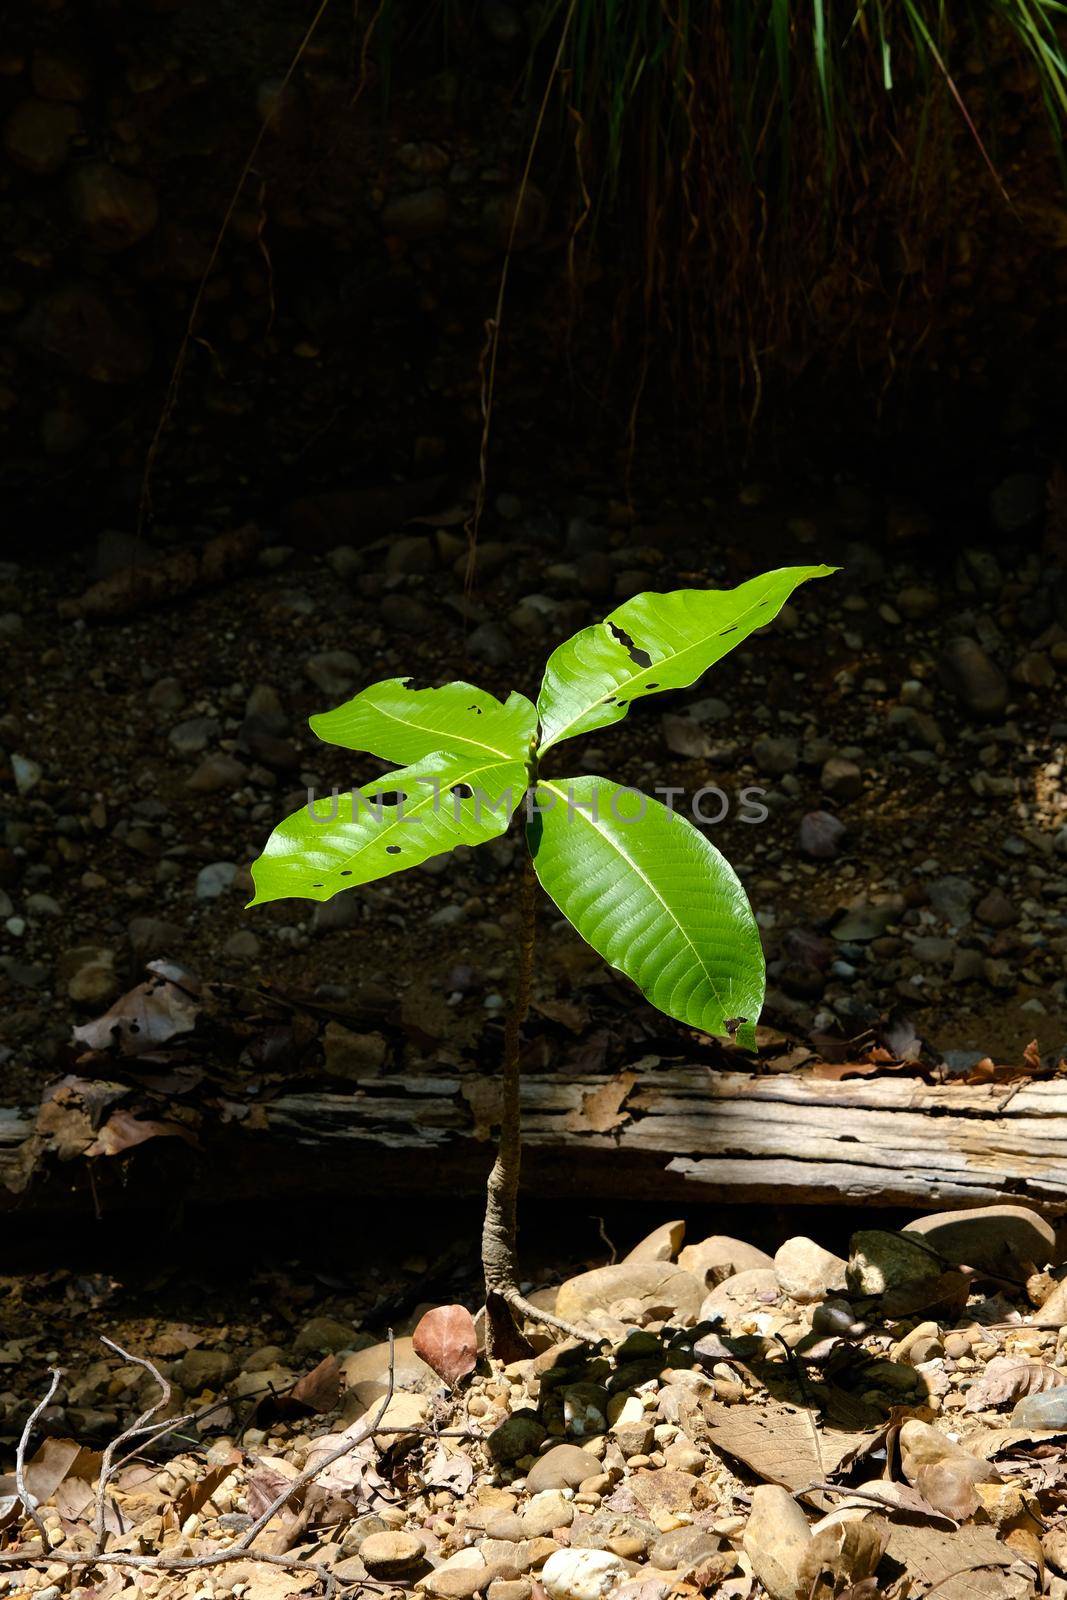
945, 1473
836, 1071
1009, 1378
1032, 1056
146, 1017
969, 1564
1028, 1545
989, 1443
447, 1340
453, 1472
50, 1465
319, 1389
265, 1485
789, 1060
847, 1552
196, 1497
71, 1111
949, 1486
601, 1109
565, 1012
73, 1497
355, 1476
287, 1525
776, 1441
897, 1498
123, 1131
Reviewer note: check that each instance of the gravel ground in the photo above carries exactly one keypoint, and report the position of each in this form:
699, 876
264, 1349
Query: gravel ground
904, 719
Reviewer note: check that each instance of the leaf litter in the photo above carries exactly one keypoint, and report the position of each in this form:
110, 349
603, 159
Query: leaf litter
733, 1447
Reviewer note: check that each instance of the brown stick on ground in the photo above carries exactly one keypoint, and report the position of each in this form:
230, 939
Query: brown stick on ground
500, 1228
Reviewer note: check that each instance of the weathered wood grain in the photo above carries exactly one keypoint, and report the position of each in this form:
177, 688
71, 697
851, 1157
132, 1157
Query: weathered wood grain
689, 1133
683, 1134
16, 1124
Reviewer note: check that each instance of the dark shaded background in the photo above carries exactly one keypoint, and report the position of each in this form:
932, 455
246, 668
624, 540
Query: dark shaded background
340, 327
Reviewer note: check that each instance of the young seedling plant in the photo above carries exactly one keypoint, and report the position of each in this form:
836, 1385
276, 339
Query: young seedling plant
638, 880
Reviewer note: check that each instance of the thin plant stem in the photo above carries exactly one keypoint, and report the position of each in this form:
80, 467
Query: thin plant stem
500, 1229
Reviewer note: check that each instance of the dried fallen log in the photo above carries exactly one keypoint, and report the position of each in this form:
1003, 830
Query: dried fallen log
678, 1134
691, 1134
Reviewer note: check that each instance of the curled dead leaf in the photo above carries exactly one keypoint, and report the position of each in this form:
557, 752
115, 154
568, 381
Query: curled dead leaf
898, 1499
320, 1388
1010, 1378
122, 1131
841, 1552
146, 1017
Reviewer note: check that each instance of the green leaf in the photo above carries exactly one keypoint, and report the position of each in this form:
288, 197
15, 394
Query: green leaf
654, 898
402, 724
590, 681
315, 857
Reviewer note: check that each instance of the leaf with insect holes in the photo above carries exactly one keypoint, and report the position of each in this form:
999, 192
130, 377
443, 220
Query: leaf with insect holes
401, 724
654, 898
399, 820
654, 642
447, 1341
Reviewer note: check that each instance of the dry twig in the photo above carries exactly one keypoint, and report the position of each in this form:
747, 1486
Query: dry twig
20, 1459
135, 1431
309, 1473
216, 1558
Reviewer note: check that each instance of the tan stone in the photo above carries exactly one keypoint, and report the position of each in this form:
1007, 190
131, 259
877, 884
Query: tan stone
388, 1555
663, 1244
776, 1540
404, 1413
806, 1272
996, 1238
565, 1466
742, 1293
367, 1371
656, 1290
719, 1257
